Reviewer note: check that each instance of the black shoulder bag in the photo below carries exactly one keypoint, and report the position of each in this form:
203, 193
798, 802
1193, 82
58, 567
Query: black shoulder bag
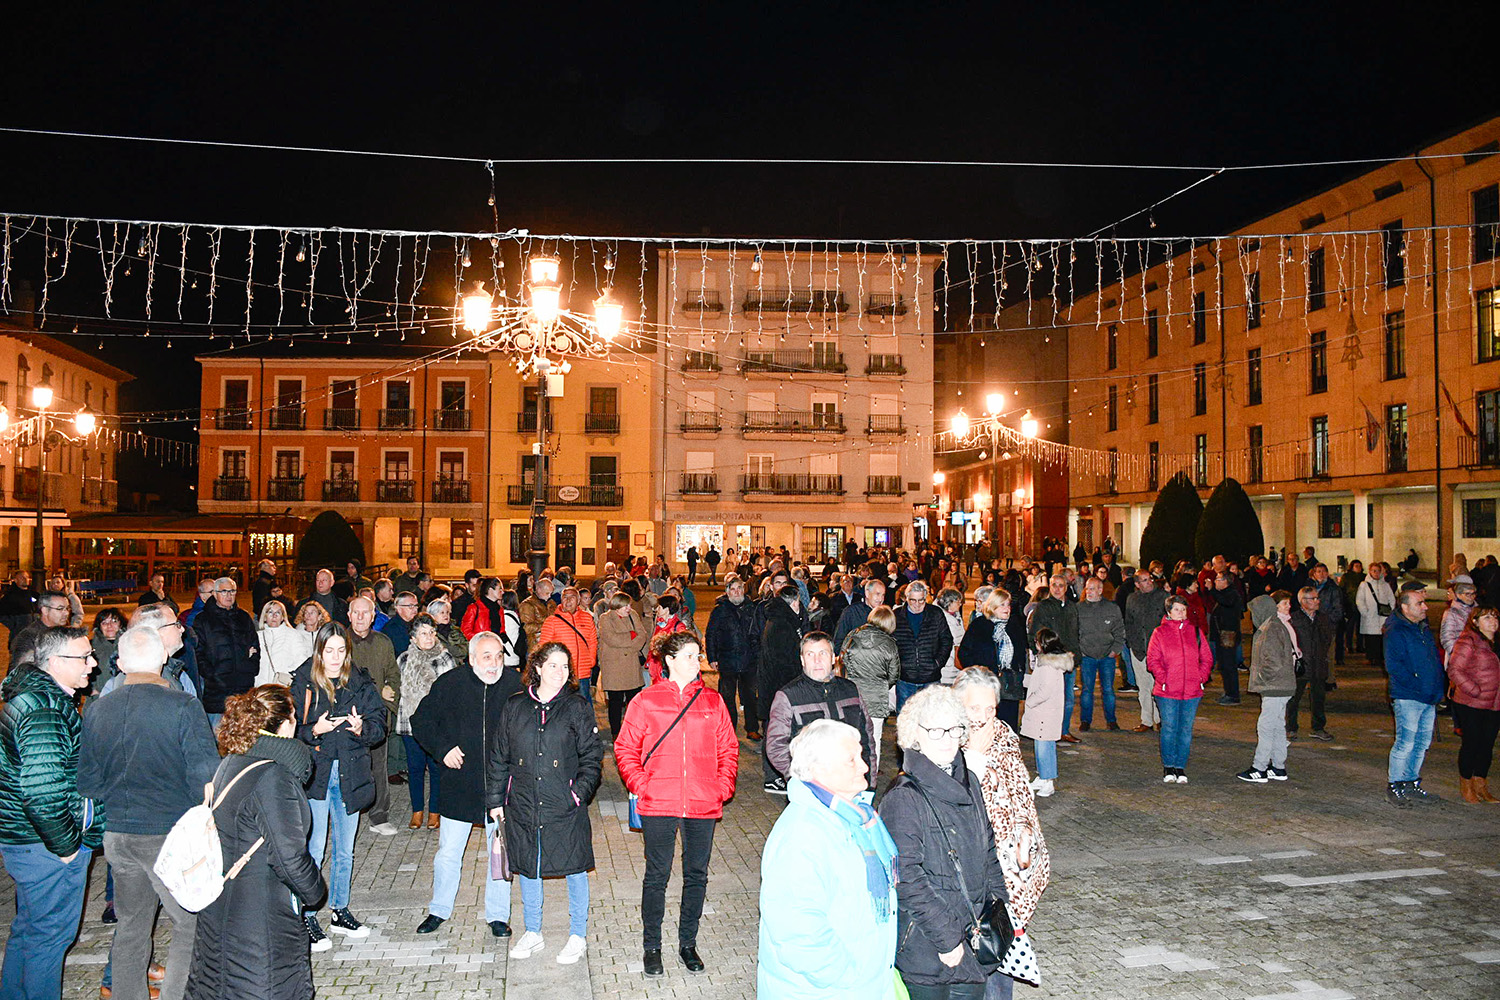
635, 816
990, 934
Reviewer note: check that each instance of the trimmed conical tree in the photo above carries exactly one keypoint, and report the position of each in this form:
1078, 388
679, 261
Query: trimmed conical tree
1173, 523
329, 541
1229, 527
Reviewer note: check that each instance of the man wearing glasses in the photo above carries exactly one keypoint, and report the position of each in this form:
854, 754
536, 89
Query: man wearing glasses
53, 610
172, 632
1417, 685
228, 649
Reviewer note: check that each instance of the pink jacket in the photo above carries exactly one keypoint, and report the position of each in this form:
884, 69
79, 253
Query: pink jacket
1180, 659
1474, 671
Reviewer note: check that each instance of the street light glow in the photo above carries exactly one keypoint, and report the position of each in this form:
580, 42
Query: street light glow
609, 316
993, 402
938, 478
84, 422
41, 396
478, 307
1028, 425
961, 424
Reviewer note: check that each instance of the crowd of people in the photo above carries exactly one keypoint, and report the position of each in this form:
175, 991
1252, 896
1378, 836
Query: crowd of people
109, 735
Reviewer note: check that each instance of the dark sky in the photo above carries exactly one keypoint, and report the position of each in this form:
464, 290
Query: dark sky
1206, 83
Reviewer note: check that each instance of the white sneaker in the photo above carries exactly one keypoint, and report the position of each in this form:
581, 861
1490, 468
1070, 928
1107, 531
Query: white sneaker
1042, 787
572, 951
384, 829
526, 945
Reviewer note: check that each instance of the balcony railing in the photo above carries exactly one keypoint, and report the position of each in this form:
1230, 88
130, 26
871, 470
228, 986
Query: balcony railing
702, 300
601, 423
285, 489
792, 422
885, 423
396, 490
451, 419
885, 304
701, 361
233, 418
701, 422
231, 488
1306, 470
26, 487
1105, 485
450, 491
883, 486
526, 422
1478, 451
288, 418
699, 484
341, 418
791, 484
100, 492
398, 420
793, 362
568, 495
885, 364
341, 491
794, 300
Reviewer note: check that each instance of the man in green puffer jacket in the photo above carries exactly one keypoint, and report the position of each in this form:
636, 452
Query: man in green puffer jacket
43, 819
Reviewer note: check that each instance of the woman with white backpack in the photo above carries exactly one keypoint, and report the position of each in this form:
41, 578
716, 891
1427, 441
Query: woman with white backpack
251, 943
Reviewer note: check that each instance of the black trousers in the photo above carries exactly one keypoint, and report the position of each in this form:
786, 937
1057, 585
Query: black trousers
1009, 712
1314, 687
1476, 750
660, 835
740, 687
616, 702
952, 991
1375, 648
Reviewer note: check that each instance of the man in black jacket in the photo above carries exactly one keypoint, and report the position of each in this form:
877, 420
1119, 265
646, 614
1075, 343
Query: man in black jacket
817, 694
1314, 636
924, 639
728, 646
455, 723
1229, 609
260, 590
780, 662
228, 649
146, 753
17, 604
1058, 613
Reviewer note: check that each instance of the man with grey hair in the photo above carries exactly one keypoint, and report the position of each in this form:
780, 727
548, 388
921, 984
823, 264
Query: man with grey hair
145, 755
858, 612
951, 600
53, 610
924, 640
228, 649
323, 594
172, 633
1144, 610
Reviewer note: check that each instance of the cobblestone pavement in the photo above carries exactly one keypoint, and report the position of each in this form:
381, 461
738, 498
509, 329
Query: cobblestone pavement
1312, 888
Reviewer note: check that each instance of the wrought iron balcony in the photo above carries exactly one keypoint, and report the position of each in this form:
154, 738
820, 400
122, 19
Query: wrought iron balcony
701, 422
26, 487
794, 300
885, 423
228, 488
885, 364
1106, 485
1477, 451
398, 420
883, 486
341, 490
793, 362
568, 495
451, 419
699, 484
702, 300
450, 490
791, 484
288, 418
233, 418
286, 489
396, 490
341, 419
792, 422
526, 422
885, 304
701, 361
101, 492
601, 423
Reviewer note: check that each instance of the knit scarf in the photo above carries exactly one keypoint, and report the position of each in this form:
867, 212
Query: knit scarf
1004, 648
874, 842
289, 752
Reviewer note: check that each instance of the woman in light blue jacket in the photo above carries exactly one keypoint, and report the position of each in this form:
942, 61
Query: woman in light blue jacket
827, 882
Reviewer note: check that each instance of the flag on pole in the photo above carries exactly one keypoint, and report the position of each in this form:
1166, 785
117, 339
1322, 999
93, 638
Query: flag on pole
1372, 429
1469, 431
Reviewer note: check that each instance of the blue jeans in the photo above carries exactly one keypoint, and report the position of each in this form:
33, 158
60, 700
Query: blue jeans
1414, 721
1067, 702
1046, 758
447, 869
329, 811
1127, 669
1177, 715
1104, 666
419, 768
905, 690
578, 902
49, 904
585, 689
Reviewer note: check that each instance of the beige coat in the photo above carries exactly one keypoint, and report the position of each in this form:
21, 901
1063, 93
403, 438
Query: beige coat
619, 653
1044, 696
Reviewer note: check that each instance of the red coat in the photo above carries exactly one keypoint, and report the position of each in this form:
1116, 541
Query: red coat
659, 633
1474, 671
1180, 659
476, 620
692, 773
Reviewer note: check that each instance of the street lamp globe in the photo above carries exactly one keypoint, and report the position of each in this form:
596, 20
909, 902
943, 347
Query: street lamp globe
546, 303
939, 478
478, 307
84, 422
960, 424
993, 402
544, 270
41, 396
609, 316
1029, 425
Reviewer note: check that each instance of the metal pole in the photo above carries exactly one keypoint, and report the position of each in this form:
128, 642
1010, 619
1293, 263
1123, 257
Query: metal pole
38, 542
995, 484
538, 553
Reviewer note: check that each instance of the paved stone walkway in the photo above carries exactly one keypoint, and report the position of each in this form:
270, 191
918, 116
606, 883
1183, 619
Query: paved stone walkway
1308, 889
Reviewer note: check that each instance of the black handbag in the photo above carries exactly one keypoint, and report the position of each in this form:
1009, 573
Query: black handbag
990, 934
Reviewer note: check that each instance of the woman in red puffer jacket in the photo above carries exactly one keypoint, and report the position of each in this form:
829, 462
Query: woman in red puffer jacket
1474, 673
1181, 660
684, 785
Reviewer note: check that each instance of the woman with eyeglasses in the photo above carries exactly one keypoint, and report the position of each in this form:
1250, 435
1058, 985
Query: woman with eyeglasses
282, 647
947, 867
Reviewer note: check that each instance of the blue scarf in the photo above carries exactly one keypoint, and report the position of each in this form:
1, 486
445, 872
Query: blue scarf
874, 842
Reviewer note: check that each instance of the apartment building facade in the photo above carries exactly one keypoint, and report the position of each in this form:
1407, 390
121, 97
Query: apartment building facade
1343, 370
794, 393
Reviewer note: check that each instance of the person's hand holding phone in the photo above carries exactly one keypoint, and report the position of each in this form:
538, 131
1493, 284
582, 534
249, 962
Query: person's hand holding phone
327, 724
354, 721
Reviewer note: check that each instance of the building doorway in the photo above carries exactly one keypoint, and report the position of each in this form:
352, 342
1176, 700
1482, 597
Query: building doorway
616, 542
567, 546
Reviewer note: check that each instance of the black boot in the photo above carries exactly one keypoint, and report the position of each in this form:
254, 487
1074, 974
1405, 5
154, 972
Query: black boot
1395, 794
651, 960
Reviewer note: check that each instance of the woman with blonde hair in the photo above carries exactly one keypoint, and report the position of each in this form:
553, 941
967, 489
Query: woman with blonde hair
282, 646
997, 640
340, 715
311, 617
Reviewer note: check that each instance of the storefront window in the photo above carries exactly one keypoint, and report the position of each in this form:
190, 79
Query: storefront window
701, 535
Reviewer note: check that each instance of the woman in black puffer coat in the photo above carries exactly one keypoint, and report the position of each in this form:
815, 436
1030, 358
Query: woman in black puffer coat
544, 765
250, 944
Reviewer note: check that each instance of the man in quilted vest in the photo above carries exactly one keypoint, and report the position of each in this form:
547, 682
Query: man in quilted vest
48, 831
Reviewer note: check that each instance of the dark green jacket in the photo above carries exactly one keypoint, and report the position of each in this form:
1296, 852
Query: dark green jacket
39, 800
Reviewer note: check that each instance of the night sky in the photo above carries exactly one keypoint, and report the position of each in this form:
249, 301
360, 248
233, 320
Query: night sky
1268, 83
